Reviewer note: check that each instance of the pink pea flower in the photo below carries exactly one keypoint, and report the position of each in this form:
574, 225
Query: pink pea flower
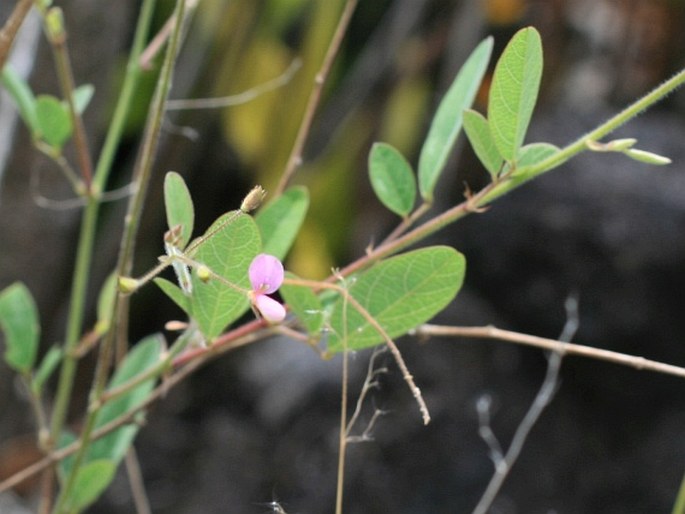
266, 276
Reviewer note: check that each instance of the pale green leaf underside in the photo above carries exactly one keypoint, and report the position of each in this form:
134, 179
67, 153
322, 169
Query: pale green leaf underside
448, 118
231, 243
392, 178
400, 293
514, 91
530, 155
477, 130
19, 322
179, 206
280, 220
175, 293
91, 480
143, 356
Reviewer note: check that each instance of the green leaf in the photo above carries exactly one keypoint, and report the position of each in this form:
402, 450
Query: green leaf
179, 207
228, 248
144, 356
280, 220
530, 155
54, 121
47, 366
514, 91
106, 298
534, 153
448, 118
19, 321
91, 481
305, 305
392, 178
478, 131
400, 293
175, 293
82, 96
22, 95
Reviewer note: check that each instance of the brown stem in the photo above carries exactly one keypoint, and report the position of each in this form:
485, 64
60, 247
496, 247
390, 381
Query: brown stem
490, 332
295, 158
9, 31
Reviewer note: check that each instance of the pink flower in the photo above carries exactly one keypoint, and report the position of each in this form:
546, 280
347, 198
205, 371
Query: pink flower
266, 276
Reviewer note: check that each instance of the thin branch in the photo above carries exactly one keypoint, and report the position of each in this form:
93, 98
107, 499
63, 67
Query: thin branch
295, 158
9, 31
240, 98
135, 478
504, 463
245, 337
491, 332
370, 382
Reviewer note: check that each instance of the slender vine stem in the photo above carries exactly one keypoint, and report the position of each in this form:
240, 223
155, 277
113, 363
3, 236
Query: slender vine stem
295, 158
65, 74
86, 241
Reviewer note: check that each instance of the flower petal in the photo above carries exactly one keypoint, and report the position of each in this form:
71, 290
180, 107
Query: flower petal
266, 273
270, 309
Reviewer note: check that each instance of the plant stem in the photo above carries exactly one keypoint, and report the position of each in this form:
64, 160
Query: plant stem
295, 158
86, 239
485, 196
67, 85
580, 144
490, 332
9, 31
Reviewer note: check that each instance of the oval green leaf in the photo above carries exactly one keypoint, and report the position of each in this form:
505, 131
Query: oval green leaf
448, 118
280, 220
529, 156
19, 322
478, 132
514, 91
91, 481
54, 121
144, 356
228, 248
179, 207
392, 178
400, 293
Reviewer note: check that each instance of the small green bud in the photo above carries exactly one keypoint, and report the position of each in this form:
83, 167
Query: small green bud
648, 157
54, 22
128, 285
253, 199
204, 273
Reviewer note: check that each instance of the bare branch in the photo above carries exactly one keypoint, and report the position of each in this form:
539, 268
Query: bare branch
491, 332
503, 463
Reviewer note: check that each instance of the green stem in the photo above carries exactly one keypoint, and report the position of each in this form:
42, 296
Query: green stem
89, 224
141, 179
495, 190
580, 144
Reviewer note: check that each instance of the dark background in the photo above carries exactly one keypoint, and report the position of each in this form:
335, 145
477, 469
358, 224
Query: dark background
261, 424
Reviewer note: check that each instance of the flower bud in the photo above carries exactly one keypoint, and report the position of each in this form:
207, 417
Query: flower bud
128, 285
253, 199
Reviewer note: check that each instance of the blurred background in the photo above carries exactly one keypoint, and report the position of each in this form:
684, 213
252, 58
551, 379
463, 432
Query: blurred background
261, 424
